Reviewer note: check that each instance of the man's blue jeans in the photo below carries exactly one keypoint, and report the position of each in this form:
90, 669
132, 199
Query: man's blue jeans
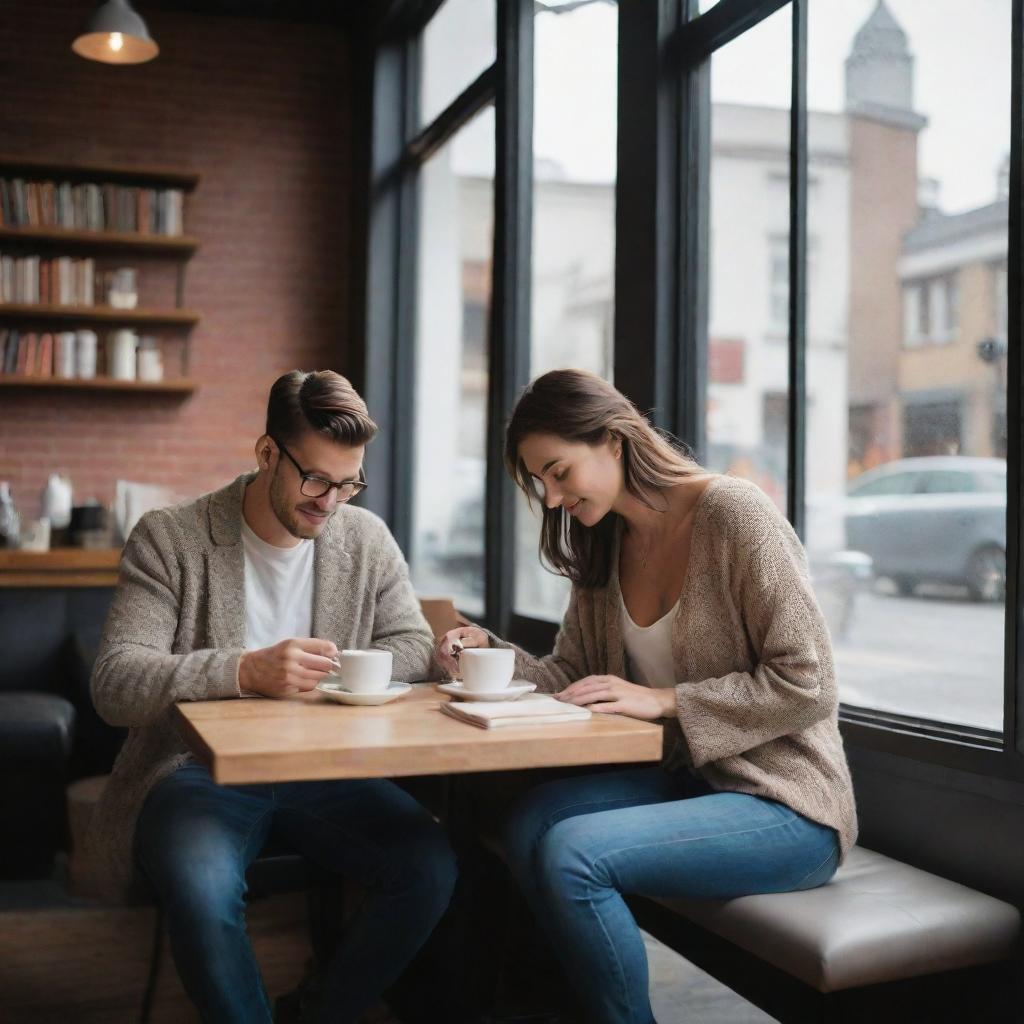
195, 840
578, 844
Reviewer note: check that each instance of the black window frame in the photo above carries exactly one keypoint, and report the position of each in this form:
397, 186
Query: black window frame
662, 247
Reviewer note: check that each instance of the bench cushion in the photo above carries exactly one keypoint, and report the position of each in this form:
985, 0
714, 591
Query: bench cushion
878, 920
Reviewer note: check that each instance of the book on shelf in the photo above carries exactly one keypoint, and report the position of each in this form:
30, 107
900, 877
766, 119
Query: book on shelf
91, 206
44, 363
60, 281
9, 356
27, 354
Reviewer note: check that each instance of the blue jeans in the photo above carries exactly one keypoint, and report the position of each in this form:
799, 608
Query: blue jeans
577, 845
195, 839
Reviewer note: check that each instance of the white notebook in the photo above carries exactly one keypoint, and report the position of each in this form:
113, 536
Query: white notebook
533, 709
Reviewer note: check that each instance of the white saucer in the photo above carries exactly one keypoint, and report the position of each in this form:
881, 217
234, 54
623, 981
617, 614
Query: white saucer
337, 692
513, 691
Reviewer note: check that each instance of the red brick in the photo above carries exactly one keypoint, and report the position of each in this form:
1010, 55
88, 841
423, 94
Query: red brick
261, 110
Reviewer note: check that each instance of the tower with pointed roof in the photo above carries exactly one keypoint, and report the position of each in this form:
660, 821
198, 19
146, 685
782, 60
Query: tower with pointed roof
883, 134
880, 71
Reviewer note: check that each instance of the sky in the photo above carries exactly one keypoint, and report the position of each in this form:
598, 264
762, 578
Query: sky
961, 80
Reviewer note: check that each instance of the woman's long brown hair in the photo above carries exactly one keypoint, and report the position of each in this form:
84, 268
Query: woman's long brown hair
579, 406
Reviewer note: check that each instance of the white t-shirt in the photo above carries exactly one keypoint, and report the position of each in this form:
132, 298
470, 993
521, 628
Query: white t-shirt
649, 648
278, 591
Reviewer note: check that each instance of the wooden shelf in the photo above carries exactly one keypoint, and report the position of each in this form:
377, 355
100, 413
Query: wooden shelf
61, 567
173, 386
73, 170
102, 315
120, 241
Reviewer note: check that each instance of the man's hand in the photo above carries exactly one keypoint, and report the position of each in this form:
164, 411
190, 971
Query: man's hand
288, 667
611, 695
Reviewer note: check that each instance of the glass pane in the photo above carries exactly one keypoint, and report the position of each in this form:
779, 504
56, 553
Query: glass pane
453, 297
458, 44
573, 257
748, 311
906, 363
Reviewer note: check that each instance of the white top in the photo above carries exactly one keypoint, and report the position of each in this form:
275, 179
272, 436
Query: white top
278, 591
649, 648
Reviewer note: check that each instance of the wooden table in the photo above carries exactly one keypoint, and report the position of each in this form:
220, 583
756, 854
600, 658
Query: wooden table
310, 737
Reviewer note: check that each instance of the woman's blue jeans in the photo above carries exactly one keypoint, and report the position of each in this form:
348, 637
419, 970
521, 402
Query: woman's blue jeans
195, 839
577, 845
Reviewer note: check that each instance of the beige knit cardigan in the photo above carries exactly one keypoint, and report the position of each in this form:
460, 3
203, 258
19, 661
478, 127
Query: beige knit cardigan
176, 631
755, 682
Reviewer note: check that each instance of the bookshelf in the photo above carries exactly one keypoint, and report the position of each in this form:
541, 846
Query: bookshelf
116, 189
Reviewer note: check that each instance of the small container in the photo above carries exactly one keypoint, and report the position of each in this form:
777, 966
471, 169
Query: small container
123, 291
151, 360
57, 501
35, 535
85, 354
10, 521
90, 526
121, 357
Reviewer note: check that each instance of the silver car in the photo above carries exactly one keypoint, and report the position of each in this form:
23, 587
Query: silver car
935, 519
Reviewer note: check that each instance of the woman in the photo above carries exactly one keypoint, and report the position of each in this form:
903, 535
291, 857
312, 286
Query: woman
690, 605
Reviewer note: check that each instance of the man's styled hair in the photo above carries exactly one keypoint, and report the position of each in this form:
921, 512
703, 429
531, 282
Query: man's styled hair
324, 402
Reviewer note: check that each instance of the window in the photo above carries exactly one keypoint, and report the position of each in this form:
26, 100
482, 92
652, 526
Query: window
749, 228
903, 352
946, 482
886, 486
573, 253
452, 298
458, 44
932, 311
887, 103
779, 286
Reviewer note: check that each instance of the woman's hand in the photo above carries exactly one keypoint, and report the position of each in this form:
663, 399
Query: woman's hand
447, 647
610, 695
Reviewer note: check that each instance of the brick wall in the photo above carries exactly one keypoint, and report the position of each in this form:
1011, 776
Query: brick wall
261, 111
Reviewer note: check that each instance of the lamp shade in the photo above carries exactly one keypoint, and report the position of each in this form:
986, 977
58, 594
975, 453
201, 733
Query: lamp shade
115, 34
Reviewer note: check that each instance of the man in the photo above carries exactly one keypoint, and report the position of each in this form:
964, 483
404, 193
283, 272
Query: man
251, 591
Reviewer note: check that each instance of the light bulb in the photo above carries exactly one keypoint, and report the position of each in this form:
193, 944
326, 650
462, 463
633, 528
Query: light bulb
116, 41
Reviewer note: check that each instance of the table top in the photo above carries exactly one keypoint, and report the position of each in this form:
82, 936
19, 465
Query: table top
311, 737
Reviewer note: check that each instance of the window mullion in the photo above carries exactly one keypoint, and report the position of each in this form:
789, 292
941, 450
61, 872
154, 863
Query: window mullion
797, 433
1014, 689
509, 350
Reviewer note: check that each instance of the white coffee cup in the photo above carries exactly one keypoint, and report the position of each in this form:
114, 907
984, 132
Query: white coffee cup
364, 671
487, 668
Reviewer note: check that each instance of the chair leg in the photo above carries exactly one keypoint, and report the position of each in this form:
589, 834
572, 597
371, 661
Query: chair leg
155, 956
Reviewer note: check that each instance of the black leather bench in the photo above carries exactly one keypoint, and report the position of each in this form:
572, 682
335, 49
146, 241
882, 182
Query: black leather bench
49, 732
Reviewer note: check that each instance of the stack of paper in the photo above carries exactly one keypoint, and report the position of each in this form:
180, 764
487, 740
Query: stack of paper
534, 709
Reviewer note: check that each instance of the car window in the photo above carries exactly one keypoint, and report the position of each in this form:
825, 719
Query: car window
945, 481
894, 483
990, 483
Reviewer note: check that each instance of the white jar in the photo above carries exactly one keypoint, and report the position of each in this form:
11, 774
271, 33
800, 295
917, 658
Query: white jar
57, 501
151, 361
85, 354
121, 359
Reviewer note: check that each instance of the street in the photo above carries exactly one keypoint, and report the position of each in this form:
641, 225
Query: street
932, 657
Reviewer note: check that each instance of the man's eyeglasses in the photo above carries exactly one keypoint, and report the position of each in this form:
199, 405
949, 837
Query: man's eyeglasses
314, 486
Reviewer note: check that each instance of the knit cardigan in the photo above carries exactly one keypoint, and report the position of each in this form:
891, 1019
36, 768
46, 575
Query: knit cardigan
176, 632
755, 682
